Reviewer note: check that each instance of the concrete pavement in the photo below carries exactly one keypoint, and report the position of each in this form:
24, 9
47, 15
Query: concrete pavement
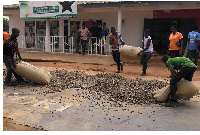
65, 111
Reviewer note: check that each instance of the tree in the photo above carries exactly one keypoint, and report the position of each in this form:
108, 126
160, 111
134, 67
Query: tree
5, 22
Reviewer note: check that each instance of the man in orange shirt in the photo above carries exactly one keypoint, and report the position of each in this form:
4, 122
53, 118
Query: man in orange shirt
176, 42
5, 35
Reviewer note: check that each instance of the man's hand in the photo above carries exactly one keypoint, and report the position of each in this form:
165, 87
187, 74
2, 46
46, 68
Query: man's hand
20, 58
178, 44
139, 53
14, 63
173, 72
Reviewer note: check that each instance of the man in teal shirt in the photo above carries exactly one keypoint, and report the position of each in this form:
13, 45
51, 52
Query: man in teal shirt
180, 67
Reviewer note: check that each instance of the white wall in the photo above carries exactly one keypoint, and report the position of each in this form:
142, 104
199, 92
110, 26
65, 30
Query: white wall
14, 21
132, 28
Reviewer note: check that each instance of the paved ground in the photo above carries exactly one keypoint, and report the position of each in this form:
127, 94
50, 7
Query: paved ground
64, 111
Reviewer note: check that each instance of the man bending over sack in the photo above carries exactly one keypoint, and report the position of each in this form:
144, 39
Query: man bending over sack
185, 69
10, 47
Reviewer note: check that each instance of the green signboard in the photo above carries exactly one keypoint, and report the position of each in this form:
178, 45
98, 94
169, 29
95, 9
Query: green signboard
47, 9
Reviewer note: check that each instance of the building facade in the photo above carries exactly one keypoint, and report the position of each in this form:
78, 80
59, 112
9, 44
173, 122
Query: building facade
128, 17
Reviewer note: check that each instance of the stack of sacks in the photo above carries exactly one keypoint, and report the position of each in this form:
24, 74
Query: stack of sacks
32, 73
129, 52
185, 90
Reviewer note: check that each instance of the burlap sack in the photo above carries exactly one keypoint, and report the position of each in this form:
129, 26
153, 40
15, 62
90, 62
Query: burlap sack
129, 52
162, 94
32, 73
186, 89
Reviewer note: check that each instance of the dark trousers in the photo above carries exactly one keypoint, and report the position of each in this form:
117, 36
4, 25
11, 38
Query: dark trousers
173, 53
192, 54
83, 43
144, 60
77, 40
116, 58
8, 63
186, 73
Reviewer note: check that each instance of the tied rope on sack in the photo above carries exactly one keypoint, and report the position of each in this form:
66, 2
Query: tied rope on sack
32, 73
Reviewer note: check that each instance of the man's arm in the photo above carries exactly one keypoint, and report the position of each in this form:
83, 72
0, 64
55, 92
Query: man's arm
147, 47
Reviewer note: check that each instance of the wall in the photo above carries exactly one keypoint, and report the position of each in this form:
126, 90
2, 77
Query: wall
14, 21
132, 28
186, 13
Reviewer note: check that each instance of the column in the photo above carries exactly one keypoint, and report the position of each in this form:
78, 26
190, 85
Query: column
47, 37
61, 34
61, 27
119, 24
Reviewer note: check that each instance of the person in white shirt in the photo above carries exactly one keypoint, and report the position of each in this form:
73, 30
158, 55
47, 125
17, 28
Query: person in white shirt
146, 52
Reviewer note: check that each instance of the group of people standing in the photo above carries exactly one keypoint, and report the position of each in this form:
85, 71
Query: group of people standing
176, 44
82, 34
99, 33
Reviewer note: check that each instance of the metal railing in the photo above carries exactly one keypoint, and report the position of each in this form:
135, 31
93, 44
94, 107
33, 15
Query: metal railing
64, 44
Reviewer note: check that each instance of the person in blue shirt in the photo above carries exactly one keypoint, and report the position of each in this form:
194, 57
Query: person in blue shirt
198, 44
104, 33
193, 45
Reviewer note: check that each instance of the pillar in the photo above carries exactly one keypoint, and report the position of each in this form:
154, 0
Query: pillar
47, 37
119, 24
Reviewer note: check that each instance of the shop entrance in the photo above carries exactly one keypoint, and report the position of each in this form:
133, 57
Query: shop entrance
160, 31
72, 26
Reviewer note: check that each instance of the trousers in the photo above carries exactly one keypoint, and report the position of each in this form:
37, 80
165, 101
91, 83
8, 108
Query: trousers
116, 58
8, 63
186, 73
144, 60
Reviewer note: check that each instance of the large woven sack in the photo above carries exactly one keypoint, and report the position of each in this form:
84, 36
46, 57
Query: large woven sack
32, 73
161, 95
186, 89
129, 52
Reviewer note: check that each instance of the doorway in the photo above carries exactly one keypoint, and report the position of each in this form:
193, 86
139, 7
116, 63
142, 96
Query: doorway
160, 31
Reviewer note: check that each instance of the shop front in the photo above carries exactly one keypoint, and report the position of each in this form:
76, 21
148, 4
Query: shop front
51, 34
